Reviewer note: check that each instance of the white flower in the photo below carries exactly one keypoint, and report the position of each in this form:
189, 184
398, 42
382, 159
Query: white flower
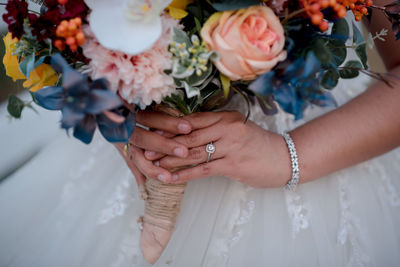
129, 26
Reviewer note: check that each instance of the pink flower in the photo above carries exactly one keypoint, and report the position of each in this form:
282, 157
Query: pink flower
249, 41
139, 79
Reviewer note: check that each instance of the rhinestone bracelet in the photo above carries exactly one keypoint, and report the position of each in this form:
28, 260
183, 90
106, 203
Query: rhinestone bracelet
291, 185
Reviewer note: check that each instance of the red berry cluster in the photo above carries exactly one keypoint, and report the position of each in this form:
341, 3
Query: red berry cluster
314, 10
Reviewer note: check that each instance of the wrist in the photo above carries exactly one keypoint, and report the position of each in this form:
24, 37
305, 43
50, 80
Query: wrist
279, 161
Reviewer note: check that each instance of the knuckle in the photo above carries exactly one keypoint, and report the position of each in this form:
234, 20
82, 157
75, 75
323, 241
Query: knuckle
192, 138
196, 153
137, 137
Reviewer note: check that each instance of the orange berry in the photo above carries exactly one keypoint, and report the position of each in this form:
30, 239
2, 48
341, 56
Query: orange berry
80, 38
62, 2
316, 19
324, 26
369, 3
315, 8
342, 13
64, 23
324, 3
78, 21
72, 27
332, 3
59, 44
70, 41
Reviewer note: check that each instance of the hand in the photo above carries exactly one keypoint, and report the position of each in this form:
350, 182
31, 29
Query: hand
244, 151
156, 142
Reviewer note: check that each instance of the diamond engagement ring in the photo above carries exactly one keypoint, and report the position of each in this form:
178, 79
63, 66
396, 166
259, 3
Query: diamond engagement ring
210, 149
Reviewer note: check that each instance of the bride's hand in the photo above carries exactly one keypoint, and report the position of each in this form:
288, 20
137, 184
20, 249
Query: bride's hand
244, 151
156, 142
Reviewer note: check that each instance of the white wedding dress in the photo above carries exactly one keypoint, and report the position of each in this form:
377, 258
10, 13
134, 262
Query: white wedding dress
75, 205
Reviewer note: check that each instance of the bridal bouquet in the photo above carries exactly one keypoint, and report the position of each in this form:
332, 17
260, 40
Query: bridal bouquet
100, 61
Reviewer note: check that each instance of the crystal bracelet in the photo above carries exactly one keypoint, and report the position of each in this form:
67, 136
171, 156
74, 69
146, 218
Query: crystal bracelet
291, 185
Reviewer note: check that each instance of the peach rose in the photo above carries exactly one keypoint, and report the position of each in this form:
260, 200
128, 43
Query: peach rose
249, 41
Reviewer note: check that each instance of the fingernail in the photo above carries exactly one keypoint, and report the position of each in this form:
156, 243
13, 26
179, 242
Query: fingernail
179, 152
149, 154
159, 132
162, 178
175, 177
157, 163
184, 127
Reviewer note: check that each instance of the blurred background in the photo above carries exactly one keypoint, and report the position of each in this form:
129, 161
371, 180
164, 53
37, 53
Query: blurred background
22, 139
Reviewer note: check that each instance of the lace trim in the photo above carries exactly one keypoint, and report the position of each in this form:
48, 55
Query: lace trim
386, 190
299, 213
349, 226
129, 253
120, 200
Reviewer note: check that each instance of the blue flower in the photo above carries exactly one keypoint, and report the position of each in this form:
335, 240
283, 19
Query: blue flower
295, 86
85, 104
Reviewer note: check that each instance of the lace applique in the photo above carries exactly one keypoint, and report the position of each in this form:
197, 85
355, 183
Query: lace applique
350, 231
299, 213
237, 213
119, 201
77, 174
386, 189
129, 253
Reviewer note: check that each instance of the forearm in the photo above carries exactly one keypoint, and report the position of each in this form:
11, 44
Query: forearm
366, 127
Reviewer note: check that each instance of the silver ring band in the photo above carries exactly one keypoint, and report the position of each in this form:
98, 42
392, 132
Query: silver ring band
210, 149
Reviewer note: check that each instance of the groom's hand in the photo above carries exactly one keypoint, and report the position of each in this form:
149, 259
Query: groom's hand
156, 143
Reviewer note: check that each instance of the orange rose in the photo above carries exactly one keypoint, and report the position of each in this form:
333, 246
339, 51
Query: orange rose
249, 41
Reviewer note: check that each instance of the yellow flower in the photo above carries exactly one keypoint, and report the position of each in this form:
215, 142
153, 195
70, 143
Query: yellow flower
10, 61
177, 8
42, 76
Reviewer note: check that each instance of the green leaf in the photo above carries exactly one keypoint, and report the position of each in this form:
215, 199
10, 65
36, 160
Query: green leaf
15, 106
322, 52
361, 52
350, 69
224, 5
226, 84
338, 50
341, 28
198, 24
181, 37
27, 65
330, 79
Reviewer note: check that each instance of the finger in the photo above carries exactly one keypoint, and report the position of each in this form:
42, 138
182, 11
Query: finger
154, 142
211, 168
162, 121
148, 168
152, 155
200, 120
202, 136
139, 177
197, 155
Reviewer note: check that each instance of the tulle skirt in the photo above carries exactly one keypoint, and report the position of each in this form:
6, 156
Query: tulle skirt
75, 205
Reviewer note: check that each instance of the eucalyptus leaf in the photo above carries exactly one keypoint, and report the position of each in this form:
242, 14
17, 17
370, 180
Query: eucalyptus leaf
181, 37
361, 52
350, 69
338, 51
330, 79
15, 106
322, 51
341, 29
